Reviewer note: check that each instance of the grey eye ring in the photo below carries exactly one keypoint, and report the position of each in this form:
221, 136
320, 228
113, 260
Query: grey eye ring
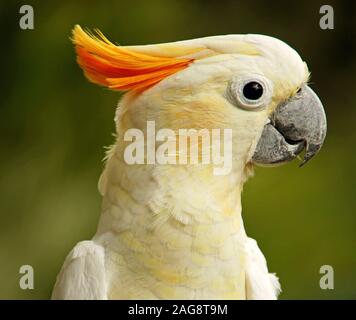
251, 92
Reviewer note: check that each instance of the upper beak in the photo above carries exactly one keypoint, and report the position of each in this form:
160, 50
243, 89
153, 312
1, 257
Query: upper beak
296, 124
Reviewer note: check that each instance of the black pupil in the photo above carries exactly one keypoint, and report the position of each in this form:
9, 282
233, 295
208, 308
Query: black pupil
253, 90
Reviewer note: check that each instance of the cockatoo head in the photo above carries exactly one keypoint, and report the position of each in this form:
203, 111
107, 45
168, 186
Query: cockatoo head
254, 84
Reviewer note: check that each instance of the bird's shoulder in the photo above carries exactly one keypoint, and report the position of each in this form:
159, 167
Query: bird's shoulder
83, 273
260, 284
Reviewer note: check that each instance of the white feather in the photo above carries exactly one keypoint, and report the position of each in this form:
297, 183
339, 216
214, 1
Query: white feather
83, 274
260, 285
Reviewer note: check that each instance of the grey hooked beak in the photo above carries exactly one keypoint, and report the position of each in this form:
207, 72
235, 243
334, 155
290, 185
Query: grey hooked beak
297, 124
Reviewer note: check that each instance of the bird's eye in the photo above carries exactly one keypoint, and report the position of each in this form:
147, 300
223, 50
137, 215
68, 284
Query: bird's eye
252, 90
250, 93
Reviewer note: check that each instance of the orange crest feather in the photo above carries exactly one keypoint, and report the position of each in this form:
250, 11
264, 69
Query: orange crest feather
119, 68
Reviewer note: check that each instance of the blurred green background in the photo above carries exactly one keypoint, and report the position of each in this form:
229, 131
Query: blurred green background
54, 125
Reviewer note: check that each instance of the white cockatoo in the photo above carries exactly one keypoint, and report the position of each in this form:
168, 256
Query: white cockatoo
172, 230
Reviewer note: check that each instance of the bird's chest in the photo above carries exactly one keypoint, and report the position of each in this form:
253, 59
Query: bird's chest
206, 263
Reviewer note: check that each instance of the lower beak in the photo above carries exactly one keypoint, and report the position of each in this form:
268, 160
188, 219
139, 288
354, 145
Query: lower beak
297, 124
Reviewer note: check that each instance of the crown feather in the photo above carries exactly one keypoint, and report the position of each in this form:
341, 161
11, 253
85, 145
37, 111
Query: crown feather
119, 68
